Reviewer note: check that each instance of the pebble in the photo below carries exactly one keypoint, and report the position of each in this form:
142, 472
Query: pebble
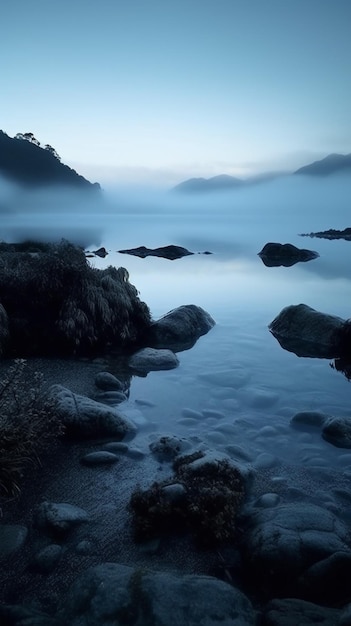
102, 457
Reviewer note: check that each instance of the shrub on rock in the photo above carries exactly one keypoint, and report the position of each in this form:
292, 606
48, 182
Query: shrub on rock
203, 499
65, 305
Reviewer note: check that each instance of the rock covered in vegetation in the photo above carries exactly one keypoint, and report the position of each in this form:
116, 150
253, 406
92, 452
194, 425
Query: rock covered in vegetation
307, 332
180, 328
84, 418
286, 254
66, 306
203, 497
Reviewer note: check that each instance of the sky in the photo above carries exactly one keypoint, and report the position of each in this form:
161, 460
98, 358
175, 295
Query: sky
158, 91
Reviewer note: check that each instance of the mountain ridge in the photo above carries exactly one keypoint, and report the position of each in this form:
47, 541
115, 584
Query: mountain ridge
27, 163
329, 165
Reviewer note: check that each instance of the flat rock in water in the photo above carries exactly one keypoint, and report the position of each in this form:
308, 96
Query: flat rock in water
167, 252
151, 359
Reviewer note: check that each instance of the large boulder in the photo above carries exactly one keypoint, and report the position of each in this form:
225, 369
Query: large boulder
277, 254
180, 328
310, 333
85, 418
298, 549
118, 594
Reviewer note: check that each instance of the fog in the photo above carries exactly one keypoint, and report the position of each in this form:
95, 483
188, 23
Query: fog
230, 224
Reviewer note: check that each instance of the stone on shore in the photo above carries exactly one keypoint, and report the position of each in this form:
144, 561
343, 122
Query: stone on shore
85, 418
114, 593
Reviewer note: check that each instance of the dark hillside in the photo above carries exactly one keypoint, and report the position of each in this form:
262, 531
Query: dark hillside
28, 164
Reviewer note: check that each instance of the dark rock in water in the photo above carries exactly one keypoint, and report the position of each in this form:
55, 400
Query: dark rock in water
101, 252
331, 234
278, 254
180, 328
166, 252
307, 332
305, 420
337, 431
152, 359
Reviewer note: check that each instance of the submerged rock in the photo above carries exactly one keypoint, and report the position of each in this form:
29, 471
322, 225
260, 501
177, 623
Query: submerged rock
278, 254
180, 328
307, 332
167, 252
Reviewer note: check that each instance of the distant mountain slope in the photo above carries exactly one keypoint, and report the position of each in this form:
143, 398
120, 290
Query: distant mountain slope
332, 164
209, 184
28, 164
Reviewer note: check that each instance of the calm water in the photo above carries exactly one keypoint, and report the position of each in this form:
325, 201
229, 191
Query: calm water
236, 389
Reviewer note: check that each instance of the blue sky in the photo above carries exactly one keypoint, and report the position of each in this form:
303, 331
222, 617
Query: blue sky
161, 90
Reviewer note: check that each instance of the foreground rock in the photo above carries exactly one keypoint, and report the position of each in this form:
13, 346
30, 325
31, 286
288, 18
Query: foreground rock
151, 359
278, 254
118, 594
307, 332
298, 550
166, 252
180, 328
294, 612
85, 418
